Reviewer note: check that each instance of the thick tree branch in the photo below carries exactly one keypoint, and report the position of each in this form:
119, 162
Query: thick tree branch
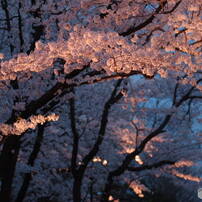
151, 18
78, 175
146, 22
195, 97
123, 167
75, 136
188, 95
112, 100
172, 9
28, 176
175, 93
4, 5
20, 25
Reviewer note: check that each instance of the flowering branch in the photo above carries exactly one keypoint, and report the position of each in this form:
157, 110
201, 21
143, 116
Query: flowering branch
22, 125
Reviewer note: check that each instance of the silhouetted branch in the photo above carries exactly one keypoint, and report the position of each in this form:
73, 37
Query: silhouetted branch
173, 9
146, 22
125, 163
75, 135
78, 176
112, 100
28, 176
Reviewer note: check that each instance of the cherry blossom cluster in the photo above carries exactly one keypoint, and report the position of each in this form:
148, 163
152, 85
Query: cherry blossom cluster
22, 124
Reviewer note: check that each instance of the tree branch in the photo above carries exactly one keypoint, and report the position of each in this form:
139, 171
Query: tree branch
112, 100
146, 22
28, 176
173, 9
123, 167
75, 136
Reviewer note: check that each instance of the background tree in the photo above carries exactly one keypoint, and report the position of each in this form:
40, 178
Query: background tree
56, 55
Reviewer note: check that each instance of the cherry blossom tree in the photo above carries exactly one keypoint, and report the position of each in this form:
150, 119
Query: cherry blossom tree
66, 72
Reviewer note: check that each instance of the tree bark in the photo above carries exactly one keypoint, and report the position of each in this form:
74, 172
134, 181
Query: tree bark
28, 177
77, 189
8, 161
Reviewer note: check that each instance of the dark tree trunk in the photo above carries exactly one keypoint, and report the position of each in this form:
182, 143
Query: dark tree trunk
27, 178
77, 189
8, 161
